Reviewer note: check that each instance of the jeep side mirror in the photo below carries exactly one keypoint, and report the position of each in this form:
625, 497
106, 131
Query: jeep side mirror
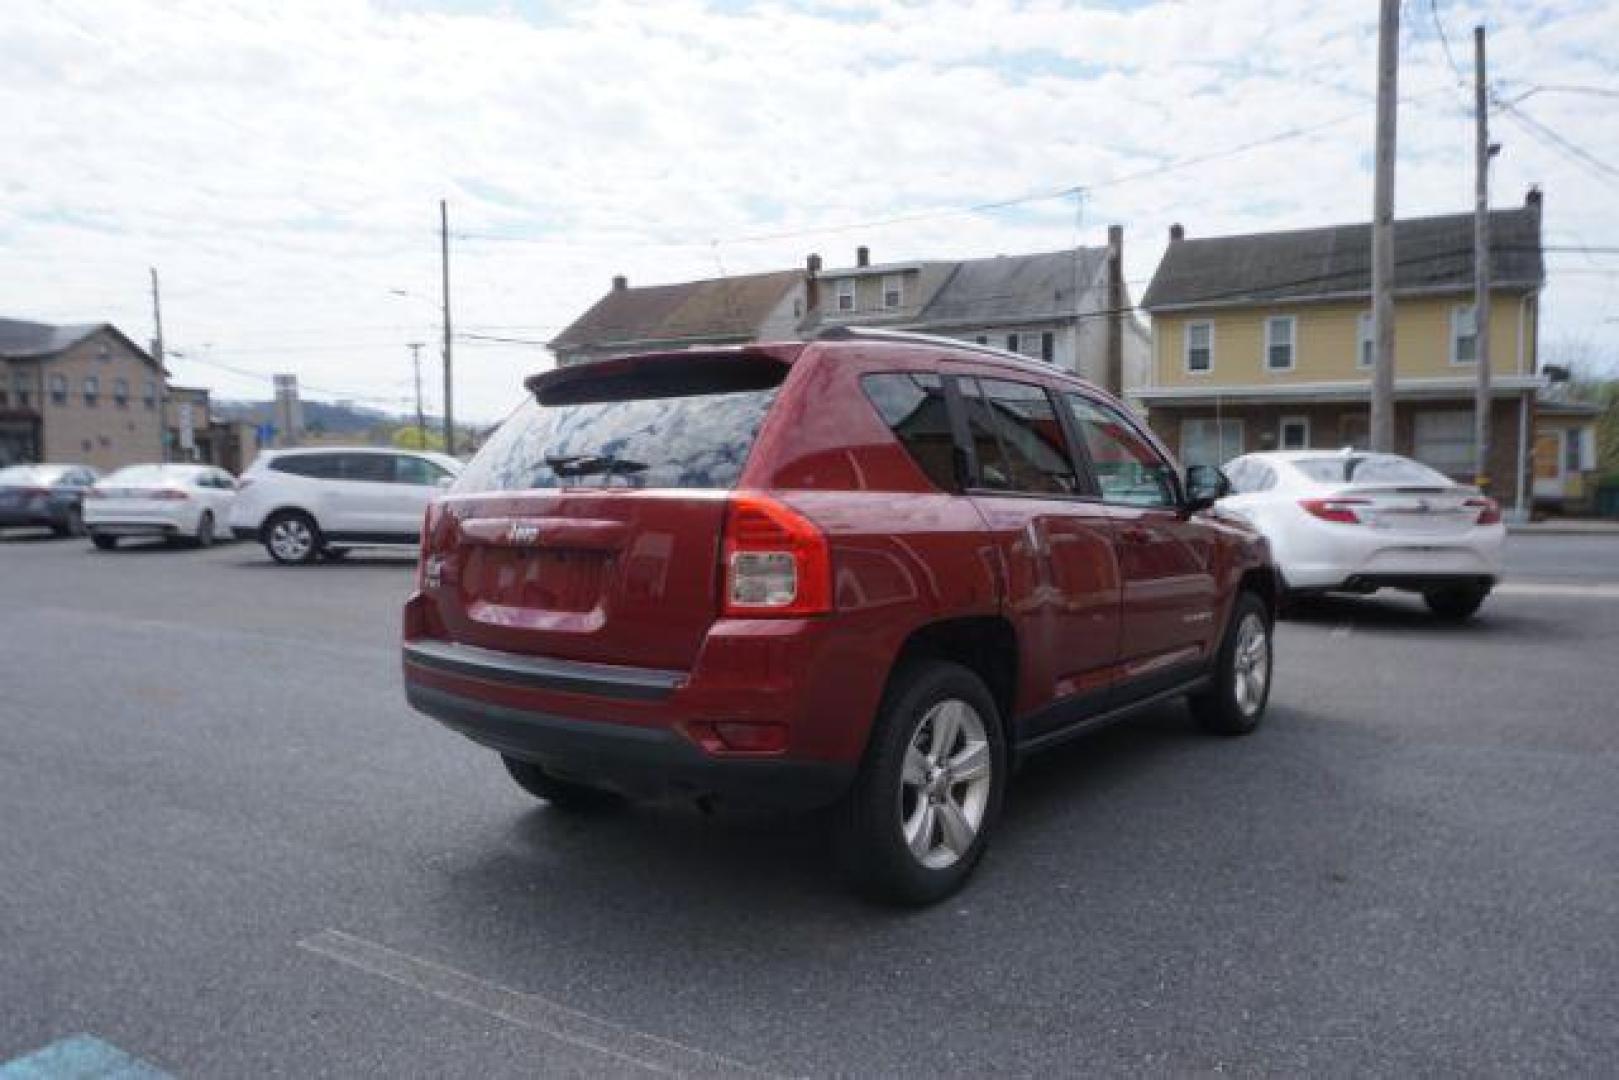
1205, 484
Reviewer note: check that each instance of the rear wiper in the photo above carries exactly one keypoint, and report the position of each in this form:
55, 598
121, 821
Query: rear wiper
594, 465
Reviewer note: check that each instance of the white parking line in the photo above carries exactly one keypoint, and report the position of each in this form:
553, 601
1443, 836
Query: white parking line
1593, 591
648, 1052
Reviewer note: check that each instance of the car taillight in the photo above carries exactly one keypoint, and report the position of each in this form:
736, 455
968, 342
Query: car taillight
776, 561
170, 495
1339, 511
1489, 511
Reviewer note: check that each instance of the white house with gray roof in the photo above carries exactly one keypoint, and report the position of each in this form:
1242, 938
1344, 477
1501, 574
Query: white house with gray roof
1063, 307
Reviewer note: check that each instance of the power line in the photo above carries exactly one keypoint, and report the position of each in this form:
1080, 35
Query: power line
981, 207
1569, 149
1450, 57
1563, 88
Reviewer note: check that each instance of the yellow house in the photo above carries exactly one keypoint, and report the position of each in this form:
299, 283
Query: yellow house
1264, 342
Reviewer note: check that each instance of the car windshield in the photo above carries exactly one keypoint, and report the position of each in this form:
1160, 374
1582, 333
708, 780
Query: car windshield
18, 475
135, 475
1369, 469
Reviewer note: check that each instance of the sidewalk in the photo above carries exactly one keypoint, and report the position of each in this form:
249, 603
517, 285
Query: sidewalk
1568, 526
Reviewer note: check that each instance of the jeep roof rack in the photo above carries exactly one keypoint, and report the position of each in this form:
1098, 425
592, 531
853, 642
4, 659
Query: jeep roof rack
910, 337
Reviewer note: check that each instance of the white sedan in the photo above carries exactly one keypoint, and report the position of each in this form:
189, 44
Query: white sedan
1359, 522
177, 502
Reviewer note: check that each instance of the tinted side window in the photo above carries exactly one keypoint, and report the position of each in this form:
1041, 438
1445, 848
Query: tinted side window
1020, 417
1128, 469
993, 471
370, 468
418, 471
913, 406
317, 466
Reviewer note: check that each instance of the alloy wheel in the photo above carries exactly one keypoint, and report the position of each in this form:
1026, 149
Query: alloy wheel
945, 784
1251, 664
291, 539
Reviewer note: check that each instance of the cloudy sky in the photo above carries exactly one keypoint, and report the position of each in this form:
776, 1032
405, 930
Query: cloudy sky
281, 163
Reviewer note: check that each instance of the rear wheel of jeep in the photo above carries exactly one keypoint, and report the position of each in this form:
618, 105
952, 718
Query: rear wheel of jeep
919, 816
562, 794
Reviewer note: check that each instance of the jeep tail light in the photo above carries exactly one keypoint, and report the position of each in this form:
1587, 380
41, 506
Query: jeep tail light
775, 561
1338, 511
1489, 511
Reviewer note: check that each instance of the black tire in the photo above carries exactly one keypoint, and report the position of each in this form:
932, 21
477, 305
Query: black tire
205, 530
1456, 603
292, 538
1234, 705
872, 820
103, 542
562, 794
73, 526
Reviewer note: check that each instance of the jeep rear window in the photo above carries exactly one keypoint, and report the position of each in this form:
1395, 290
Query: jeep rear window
698, 440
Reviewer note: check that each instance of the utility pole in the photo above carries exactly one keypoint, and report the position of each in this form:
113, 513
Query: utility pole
1388, 62
162, 373
444, 254
415, 348
1481, 266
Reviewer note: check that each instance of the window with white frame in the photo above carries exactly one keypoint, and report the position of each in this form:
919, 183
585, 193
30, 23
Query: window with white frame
1199, 347
59, 388
120, 392
1035, 344
1365, 341
1444, 441
846, 294
1295, 433
1279, 334
893, 290
1463, 335
92, 389
149, 394
1210, 441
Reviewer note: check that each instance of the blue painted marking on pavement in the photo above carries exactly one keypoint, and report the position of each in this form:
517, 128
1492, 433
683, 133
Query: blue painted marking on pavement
80, 1057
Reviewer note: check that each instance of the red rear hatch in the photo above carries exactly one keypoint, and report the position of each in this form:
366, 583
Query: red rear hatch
589, 527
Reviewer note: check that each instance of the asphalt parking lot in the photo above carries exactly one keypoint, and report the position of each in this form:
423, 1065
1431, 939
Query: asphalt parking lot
228, 848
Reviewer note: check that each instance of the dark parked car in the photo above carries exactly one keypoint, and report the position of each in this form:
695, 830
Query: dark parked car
47, 495
871, 570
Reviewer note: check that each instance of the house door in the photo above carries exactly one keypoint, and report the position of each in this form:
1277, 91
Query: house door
1549, 464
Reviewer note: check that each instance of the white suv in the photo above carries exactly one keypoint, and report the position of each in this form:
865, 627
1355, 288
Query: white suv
302, 504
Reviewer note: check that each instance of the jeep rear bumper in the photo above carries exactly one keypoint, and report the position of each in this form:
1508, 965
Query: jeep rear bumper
641, 762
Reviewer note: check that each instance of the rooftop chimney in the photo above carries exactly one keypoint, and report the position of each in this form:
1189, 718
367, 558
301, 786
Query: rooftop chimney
1176, 232
1113, 360
620, 283
812, 286
862, 255
1532, 198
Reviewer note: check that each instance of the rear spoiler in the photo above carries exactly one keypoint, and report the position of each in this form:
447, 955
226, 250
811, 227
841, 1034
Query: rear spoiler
672, 373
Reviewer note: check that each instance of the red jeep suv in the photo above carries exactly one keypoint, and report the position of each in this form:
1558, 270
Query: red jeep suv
870, 570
